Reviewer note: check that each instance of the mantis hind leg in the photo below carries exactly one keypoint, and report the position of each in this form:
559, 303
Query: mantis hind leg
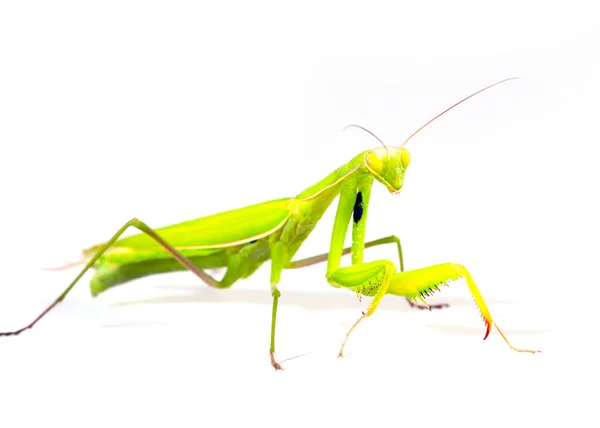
309, 261
209, 280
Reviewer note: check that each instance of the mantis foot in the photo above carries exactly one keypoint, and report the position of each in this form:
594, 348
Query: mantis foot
274, 363
438, 306
530, 351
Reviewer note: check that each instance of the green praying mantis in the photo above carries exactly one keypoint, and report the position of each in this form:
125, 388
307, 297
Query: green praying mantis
243, 239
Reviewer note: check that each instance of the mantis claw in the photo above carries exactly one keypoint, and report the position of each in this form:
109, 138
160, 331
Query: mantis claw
274, 363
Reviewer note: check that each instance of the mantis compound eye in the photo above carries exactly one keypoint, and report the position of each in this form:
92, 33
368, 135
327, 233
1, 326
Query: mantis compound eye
405, 157
375, 161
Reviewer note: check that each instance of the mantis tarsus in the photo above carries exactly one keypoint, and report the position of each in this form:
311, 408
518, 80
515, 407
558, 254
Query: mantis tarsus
243, 239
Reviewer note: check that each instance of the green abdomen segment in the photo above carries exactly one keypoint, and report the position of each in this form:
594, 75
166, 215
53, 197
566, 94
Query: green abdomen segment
109, 275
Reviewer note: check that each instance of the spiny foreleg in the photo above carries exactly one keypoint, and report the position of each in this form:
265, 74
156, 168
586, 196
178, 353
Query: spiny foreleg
420, 283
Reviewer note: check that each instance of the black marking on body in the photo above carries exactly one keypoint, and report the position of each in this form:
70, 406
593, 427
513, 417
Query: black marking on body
358, 207
253, 241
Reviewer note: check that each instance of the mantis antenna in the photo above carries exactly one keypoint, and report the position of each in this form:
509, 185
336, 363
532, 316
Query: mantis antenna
366, 130
454, 105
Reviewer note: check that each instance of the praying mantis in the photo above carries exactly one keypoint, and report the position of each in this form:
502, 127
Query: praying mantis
241, 240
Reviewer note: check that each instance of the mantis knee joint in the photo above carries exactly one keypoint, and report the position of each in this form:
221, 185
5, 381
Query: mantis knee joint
275, 292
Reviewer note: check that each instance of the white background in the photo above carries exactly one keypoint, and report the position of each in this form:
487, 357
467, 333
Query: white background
174, 110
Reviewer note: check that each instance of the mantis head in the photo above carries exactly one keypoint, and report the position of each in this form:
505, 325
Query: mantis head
388, 165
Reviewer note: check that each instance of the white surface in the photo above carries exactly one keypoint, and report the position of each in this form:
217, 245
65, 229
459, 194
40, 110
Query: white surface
170, 112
